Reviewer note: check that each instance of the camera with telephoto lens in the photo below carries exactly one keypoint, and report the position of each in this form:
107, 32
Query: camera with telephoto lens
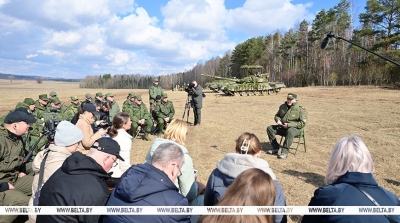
189, 88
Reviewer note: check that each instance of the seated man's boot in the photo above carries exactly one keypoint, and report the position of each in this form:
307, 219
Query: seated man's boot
275, 147
146, 136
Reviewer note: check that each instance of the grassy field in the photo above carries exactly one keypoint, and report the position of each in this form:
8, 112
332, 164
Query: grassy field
369, 112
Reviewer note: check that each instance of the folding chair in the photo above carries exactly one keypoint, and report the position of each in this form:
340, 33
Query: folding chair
299, 137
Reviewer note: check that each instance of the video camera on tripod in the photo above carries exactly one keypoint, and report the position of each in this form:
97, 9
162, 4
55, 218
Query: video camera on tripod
50, 125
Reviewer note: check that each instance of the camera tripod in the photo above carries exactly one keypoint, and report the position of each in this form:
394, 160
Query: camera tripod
186, 111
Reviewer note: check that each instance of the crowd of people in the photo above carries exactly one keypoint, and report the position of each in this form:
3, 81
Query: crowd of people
85, 161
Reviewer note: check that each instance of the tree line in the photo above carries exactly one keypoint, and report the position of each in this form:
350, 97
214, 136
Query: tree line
296, 58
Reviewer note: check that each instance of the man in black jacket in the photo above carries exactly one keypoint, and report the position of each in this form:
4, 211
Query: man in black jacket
80, 182
196, 91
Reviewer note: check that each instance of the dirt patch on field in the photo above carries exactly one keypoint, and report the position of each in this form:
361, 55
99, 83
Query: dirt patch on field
369, 112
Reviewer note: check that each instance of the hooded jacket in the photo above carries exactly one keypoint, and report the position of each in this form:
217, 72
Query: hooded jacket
342, 193
79, 182
228, 169
146, 185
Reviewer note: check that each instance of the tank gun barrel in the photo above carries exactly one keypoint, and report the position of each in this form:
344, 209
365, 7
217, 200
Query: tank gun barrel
221, 78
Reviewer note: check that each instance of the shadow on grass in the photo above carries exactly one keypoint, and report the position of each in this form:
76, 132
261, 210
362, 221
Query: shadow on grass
311, 178
396, 183
266, 146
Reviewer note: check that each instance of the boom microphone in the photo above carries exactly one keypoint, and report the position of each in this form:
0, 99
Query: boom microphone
325, 41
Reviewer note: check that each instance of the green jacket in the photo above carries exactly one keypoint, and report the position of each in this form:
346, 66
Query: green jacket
127, 105
295, 115
11, 155
139, 112
71, 111
164, 110
154, 91
114, 110
40, 110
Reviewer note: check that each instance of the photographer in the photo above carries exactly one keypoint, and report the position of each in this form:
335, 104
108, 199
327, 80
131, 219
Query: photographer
15, 186
196, 91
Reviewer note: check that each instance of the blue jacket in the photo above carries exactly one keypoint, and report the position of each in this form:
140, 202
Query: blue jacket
228, 169
342, 193
145, 185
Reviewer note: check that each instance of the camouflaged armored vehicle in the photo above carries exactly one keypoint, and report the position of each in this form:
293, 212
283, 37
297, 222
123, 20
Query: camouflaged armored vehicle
254, 83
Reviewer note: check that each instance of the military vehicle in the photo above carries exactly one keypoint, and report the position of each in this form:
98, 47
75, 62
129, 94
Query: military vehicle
217, 85
254, 83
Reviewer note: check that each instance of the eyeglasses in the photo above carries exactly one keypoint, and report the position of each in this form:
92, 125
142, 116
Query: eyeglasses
115, 162
180, 172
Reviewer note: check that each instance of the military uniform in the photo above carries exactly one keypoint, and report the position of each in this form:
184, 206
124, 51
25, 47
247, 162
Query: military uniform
72, 109
12, 154
164, 110
296, 117
128, 103
137, 113
154, 90
40, 109
114, 107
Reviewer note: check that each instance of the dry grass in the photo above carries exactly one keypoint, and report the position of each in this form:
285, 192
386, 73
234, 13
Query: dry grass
370, 112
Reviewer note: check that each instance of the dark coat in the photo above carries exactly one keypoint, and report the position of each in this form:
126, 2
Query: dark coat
218, 183
145, 185
197, 96
79, 182
341, 193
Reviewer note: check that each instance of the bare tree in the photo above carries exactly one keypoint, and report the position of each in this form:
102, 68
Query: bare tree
39, 80
11, 78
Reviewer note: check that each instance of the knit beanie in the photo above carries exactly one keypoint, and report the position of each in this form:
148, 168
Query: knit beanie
67, 134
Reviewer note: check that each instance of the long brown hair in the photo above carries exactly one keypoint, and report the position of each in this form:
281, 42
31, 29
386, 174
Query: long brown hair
248, 143
119, 120
252, 187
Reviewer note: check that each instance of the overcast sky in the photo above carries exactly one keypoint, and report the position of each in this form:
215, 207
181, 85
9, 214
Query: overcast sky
76, 38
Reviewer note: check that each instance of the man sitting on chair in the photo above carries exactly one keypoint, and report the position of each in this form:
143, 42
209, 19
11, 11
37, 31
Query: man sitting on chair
164, 112
290, 119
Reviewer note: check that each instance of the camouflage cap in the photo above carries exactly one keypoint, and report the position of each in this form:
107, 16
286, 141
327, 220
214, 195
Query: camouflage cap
138, 97
55, 100
29, 101
53, 94
164, 95
109, 95
132, 95
74, 97
291, 96
155, 80
43, 97
88, 95
99, 94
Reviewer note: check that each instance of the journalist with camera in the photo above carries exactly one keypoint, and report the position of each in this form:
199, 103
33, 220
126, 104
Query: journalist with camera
195, 91
15, 186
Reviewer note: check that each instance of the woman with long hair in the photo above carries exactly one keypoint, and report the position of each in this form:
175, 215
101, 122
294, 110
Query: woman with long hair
176, 132
350, 182
253, 187
118, 131
247, 155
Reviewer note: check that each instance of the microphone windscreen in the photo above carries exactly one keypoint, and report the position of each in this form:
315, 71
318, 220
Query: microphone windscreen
324, 42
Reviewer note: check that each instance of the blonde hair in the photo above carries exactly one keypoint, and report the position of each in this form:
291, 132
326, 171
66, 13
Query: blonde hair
350, 154
248, 143
176, 131
252, 187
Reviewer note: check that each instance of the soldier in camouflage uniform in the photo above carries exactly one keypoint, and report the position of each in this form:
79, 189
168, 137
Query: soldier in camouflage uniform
72, 108
88, 98
114, 105
154, 90
15, 186
290, 120
164, 112
52, 95
130, 100
41, 106
99, 96
140, 116
60, 109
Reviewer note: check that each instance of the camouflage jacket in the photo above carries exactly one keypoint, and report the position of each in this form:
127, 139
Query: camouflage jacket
154, 91
139, 112
40, 110
164, 110
71, 111
11, 155
114, 110
126, 106
295, 115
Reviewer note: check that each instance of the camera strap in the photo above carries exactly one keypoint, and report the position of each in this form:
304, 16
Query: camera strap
41, 173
